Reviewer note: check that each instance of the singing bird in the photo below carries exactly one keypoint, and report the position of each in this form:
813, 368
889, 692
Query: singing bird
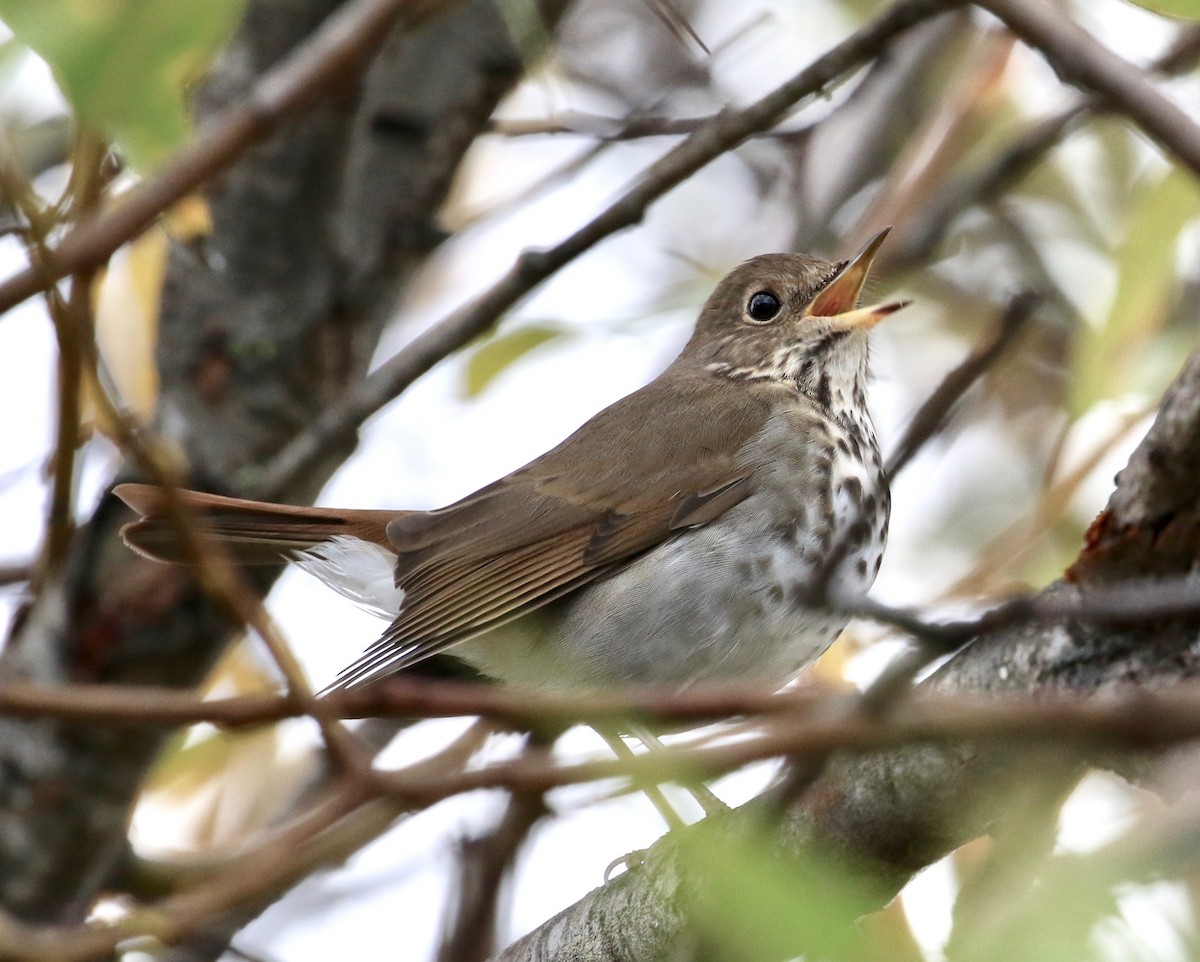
671, 540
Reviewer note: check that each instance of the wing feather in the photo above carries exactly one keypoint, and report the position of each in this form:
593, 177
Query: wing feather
581, 511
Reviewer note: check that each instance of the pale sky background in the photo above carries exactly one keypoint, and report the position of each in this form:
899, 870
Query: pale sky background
433, 447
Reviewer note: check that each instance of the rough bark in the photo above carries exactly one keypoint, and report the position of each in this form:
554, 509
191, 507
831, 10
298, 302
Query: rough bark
263, 323
891, 813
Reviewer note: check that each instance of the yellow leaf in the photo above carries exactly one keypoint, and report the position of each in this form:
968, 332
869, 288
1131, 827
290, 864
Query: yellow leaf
128, 299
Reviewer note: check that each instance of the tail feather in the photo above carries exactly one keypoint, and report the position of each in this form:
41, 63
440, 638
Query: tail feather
255, 532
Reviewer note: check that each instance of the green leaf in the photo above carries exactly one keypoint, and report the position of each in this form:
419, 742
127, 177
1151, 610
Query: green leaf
124, 65
1108, 359
755, 903
497, 354
1185, 9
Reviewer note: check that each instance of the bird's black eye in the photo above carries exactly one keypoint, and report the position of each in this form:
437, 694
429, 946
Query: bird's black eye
763, 306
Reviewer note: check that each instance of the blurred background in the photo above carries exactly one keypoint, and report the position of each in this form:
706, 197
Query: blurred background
996, 180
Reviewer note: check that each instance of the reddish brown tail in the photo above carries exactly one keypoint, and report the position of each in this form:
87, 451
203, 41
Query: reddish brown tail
256, 532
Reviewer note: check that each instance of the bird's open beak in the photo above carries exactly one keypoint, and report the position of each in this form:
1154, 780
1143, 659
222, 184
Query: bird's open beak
837, 301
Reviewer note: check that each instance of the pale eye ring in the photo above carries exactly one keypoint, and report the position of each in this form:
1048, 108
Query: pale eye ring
763, 306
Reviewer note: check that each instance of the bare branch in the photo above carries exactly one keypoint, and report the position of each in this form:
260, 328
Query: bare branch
611, 129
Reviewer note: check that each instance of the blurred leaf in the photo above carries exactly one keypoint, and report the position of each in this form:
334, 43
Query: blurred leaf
197, 755
124, 64
890, 927
1052, 921
190, 219
528, 30
12, 53
760, 905
1187, 9
187, 767
1115, 182
1051, 184
859, 10
127, 295
1107, 359
497, 354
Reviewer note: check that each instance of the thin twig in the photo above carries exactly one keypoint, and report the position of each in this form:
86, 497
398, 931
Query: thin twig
937, 407
483, 865
398, 697
74, 323
1131, 602
606, 129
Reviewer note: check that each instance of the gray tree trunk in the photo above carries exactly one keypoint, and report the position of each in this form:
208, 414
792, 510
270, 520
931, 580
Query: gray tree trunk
263, 323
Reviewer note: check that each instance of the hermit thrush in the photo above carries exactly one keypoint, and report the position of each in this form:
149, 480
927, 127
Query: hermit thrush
670, 540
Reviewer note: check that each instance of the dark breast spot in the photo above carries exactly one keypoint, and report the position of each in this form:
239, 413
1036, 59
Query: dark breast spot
824, 394
858, 533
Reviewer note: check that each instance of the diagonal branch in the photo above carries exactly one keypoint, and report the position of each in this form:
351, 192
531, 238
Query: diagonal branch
932, 415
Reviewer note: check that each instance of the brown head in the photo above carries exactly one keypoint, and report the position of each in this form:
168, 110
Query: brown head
791, 317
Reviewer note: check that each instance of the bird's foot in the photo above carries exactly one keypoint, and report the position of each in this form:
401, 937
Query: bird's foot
632, 862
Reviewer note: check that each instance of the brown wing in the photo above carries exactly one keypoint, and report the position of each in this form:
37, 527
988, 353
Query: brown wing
656, 462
